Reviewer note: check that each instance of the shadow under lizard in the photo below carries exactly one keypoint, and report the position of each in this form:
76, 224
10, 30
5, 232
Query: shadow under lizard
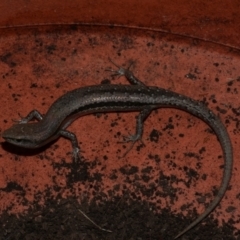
117, 98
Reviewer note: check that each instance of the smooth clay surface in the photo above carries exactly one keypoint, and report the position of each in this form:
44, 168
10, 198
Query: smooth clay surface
162, 184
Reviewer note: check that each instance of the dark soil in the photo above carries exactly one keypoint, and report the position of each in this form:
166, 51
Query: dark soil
130, 220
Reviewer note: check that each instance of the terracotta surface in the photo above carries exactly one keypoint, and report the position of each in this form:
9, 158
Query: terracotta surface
180, 167
216, 21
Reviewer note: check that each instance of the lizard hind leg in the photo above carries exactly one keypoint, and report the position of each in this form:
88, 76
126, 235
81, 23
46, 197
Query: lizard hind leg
139, 129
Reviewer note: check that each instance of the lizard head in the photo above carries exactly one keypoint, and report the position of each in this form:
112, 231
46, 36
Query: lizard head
23, 135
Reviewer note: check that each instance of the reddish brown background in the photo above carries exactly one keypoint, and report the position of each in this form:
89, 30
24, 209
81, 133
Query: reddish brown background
189, 47
212, 20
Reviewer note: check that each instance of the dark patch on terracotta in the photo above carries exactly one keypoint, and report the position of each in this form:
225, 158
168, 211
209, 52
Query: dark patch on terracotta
202, 150
191, 76
147, 169
222, 111
154, 135
165, 182
7, 58
191, 173
192, 155
51, 48
129, 170
127, 219
12, 186
155, 158
79, 171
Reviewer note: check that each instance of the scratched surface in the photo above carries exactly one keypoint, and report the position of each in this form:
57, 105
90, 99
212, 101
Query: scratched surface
178, 169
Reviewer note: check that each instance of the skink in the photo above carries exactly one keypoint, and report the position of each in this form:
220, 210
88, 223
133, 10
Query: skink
117, 98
